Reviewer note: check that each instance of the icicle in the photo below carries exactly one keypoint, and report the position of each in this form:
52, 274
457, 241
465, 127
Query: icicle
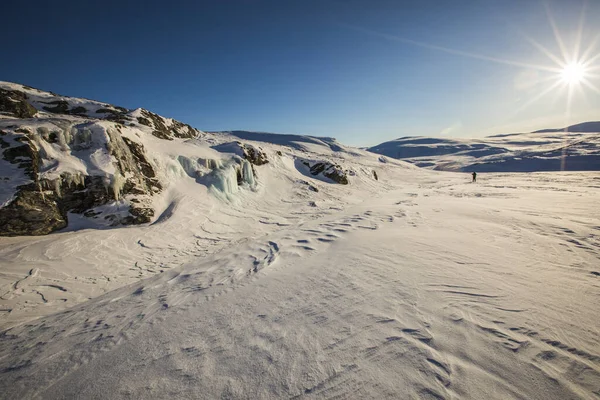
57, 187
64, 138
247, 173
80, 180
106, 181
39, 146
226, 180
189, 166
40, 189
213, 164
117, 183
73, 179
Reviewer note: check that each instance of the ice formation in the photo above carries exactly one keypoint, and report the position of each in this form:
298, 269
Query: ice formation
227, 175
191, 167
116, 184
248, 173
225, 179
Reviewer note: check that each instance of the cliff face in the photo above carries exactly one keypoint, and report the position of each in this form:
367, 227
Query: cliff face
62, 155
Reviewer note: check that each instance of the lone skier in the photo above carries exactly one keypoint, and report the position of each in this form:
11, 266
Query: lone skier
474, 176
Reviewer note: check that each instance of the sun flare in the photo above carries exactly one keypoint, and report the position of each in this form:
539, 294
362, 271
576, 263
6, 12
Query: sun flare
573, 73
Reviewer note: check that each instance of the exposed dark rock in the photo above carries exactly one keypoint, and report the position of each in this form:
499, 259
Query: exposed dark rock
79, 110
60, 107
184, 131
139, 157
144, 121
139, 216
115, 115
160, 129
375, 175
41, 207
32, 212
25, 155
329, 170
177, 129
254, 155
14, 103
80, 198
107, 111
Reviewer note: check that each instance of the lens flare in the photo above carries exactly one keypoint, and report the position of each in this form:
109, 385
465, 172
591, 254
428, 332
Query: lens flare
573, 73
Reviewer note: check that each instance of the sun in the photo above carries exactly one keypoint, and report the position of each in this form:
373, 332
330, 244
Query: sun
573, 73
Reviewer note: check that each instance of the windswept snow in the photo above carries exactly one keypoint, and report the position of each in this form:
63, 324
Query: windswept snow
417, 285
273, 280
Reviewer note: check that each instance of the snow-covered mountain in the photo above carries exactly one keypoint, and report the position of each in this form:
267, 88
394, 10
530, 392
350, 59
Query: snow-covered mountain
575, 148
111, 166
245, 265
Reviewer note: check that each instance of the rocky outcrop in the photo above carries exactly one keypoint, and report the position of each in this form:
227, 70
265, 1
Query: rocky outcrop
61, 156
57, 106
327, 169
32, 212
41, 205
14, 104
166, 129
255, 155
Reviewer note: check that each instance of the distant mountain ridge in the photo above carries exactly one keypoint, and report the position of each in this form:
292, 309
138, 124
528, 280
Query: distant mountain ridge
574, 148
589, 127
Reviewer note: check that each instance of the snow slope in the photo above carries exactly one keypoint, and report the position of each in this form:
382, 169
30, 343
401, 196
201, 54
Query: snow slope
575, 148
426, 287
416, 285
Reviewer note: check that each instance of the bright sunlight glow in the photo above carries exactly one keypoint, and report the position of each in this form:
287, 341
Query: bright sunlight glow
573, 73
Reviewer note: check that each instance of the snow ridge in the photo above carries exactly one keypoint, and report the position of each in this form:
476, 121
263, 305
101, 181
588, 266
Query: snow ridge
575, 148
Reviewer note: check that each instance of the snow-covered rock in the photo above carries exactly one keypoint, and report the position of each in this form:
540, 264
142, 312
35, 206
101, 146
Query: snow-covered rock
14, 103
61, 155
60, 168
253, 154
325, 169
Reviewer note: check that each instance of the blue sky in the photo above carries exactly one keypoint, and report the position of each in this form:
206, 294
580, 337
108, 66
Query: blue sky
361, 71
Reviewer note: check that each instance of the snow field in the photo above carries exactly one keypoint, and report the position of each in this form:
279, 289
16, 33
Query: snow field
434, 288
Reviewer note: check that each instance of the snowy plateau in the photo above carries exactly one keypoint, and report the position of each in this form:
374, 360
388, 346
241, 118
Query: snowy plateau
142, 258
